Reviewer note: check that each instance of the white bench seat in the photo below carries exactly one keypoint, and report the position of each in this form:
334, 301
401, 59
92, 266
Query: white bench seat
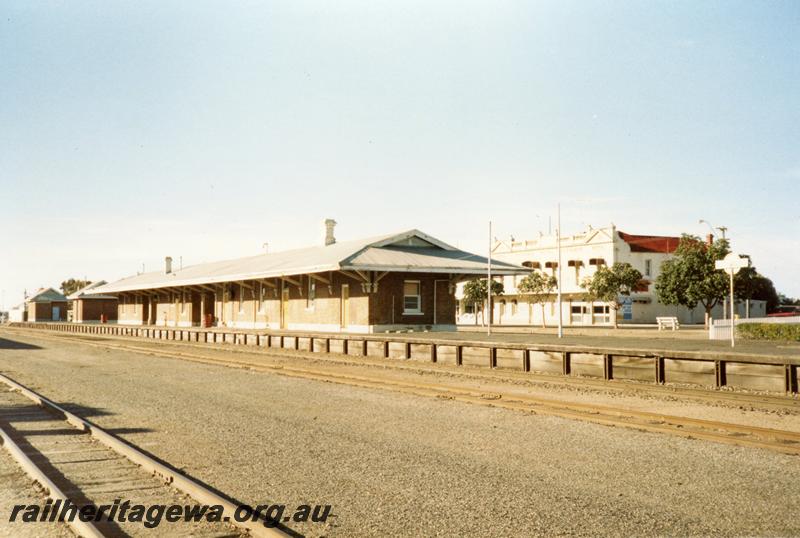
667, 321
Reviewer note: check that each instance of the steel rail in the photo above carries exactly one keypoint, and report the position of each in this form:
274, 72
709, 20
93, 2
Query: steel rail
787, 442
82, 528
169, 475
715, 396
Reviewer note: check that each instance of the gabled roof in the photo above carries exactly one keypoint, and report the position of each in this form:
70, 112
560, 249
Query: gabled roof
45, 295
87, 292
651, 243
410, 251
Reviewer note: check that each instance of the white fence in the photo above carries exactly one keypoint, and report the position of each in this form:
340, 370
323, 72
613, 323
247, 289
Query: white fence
720, 329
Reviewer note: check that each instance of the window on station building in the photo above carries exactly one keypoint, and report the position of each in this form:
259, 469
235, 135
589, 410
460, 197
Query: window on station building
241, 298
513, 307
412, 300
136, 304
648, 267
183, 302
312, 293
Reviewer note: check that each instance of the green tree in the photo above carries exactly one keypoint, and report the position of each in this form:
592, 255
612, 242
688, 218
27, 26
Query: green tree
690, 277
785, 300
608, 284
475, 293
538, 287
68, 287
749, 285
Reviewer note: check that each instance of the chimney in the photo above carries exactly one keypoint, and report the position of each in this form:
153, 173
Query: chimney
168, 264
329, 226
710, 239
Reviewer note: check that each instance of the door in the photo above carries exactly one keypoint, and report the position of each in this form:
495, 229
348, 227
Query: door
345, 314
56, 313
284, 307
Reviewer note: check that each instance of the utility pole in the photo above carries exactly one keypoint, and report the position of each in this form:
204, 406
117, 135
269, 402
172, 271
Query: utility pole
558, 269
489, 285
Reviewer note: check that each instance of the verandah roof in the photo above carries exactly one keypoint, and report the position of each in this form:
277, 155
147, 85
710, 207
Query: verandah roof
411, 251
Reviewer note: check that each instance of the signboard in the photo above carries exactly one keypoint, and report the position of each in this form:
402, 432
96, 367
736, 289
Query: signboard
627, 308
732, 263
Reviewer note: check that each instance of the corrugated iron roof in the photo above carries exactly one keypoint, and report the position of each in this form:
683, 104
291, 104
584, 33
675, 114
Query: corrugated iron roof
384, 253
45, 295
651, 243
87, 292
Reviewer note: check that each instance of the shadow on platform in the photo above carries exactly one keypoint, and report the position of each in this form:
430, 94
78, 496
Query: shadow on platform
13, 344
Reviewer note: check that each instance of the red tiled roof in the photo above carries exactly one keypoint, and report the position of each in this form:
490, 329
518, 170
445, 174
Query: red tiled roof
650, 243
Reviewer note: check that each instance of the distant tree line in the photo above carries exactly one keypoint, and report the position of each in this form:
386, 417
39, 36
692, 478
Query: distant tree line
68, 287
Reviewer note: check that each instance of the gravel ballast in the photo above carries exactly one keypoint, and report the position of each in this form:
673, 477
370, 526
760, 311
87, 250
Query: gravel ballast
398, 465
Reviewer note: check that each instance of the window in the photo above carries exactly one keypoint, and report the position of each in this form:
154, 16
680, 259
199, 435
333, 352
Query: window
136, 304
648, 267
412, 302
601, 313
241, 298
577, 312
183, 302
312, 293
513, 307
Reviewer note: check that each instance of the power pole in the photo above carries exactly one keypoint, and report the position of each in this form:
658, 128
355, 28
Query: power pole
489, 286
558, 268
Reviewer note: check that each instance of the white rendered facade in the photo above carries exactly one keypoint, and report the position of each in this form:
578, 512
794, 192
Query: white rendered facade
581, 254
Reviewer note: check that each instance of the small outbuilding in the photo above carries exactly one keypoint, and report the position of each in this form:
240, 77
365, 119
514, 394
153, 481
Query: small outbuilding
90, 307
46, 305
18, 314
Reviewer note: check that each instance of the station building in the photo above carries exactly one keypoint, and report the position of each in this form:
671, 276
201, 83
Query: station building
46, 304
395, 282
581, 255
91, 307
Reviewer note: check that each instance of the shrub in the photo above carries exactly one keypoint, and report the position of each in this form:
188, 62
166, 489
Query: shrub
769, 331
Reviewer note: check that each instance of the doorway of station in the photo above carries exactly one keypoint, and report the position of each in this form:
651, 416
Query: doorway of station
209, 299
145, 310
197, 300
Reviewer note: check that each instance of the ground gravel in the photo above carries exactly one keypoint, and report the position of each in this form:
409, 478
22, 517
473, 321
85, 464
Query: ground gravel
397, 465
17, 488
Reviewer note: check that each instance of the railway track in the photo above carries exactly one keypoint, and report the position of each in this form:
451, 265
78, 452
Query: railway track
784, 403
735, 434
76, 462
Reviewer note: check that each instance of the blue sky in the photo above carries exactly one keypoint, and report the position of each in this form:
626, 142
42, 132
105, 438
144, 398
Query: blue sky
129, 131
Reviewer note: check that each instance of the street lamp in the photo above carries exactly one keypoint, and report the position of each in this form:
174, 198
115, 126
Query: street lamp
722, 229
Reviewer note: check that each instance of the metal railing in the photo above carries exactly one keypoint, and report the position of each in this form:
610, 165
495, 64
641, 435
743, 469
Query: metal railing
720, 329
